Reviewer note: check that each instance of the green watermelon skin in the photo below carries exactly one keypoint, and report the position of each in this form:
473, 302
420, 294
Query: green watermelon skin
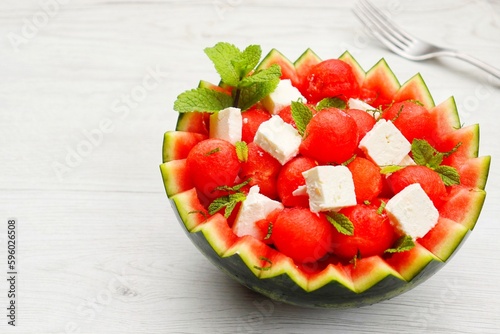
371, 280
283, 288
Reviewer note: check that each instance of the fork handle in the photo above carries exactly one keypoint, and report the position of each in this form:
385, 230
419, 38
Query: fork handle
479, 63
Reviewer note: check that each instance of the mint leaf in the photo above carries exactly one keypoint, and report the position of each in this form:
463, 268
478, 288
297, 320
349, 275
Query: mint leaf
331, 102
424, 154
245, 61
201, 212
403, 244
252, 94
301, 115
341, 223
202, 99
348, 161
242, 151
223, 55
267, 74
390, 169
381, 208
265, 267
453, 150
269, 231
234, 188
448, 174
228, 202
398, 114
354, 260
213, 151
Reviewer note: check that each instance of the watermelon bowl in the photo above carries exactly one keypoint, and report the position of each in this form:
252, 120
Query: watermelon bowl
216, 195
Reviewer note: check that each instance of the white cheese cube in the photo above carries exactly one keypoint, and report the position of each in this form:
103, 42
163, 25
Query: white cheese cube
254, 208
362, 105
282, 96
407, 161
279, 139
227, 124
300, 191
385, 144
412, 211
330, 188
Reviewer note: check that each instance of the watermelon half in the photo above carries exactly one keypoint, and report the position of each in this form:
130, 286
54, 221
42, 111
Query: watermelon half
333, 285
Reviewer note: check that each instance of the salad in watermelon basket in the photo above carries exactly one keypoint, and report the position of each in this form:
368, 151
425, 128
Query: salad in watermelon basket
318, 184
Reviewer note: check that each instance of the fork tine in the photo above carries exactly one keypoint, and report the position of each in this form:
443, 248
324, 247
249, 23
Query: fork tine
379, 31
385, 23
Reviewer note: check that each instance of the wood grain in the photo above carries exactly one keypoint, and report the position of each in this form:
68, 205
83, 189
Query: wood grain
100, 248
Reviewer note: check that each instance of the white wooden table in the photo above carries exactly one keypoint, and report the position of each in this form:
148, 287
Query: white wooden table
86, 93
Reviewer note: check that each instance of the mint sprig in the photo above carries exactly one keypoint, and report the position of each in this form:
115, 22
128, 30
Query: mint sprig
331, 102
390, 169
241, 151
228, 202
235, 68
403, 244
426, 155
301, 115
247, 96
203, 100
341, 222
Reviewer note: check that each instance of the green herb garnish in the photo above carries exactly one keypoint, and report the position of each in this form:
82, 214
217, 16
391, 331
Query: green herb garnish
426, 155
390, 169
241, 151
302, 115
340, 222
215, 150
403, 244
228, 202
263, 258
236, 70
381, 208
331, 102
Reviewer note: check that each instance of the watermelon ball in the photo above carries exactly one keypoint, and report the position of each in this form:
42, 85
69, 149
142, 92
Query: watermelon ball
252, 119
331, 137
367, 179
331, 78
364, 121
290, 178
411, 118
262, 169
265, 227
373, 233
302, 235
212, 163
430, 181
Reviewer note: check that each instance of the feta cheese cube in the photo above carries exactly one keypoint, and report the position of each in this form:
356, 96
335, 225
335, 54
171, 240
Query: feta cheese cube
330, 188
407, 161
362, 105
300, 191
282, 96
279, 139
358, 104
385, 144
227, 124
254, 208
412, 211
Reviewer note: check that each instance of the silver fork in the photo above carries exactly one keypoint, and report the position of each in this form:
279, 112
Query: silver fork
406, 45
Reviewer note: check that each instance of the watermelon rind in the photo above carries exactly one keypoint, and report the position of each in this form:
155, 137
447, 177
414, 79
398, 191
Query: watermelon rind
415, 89
240, 258
368, 280
359, 73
